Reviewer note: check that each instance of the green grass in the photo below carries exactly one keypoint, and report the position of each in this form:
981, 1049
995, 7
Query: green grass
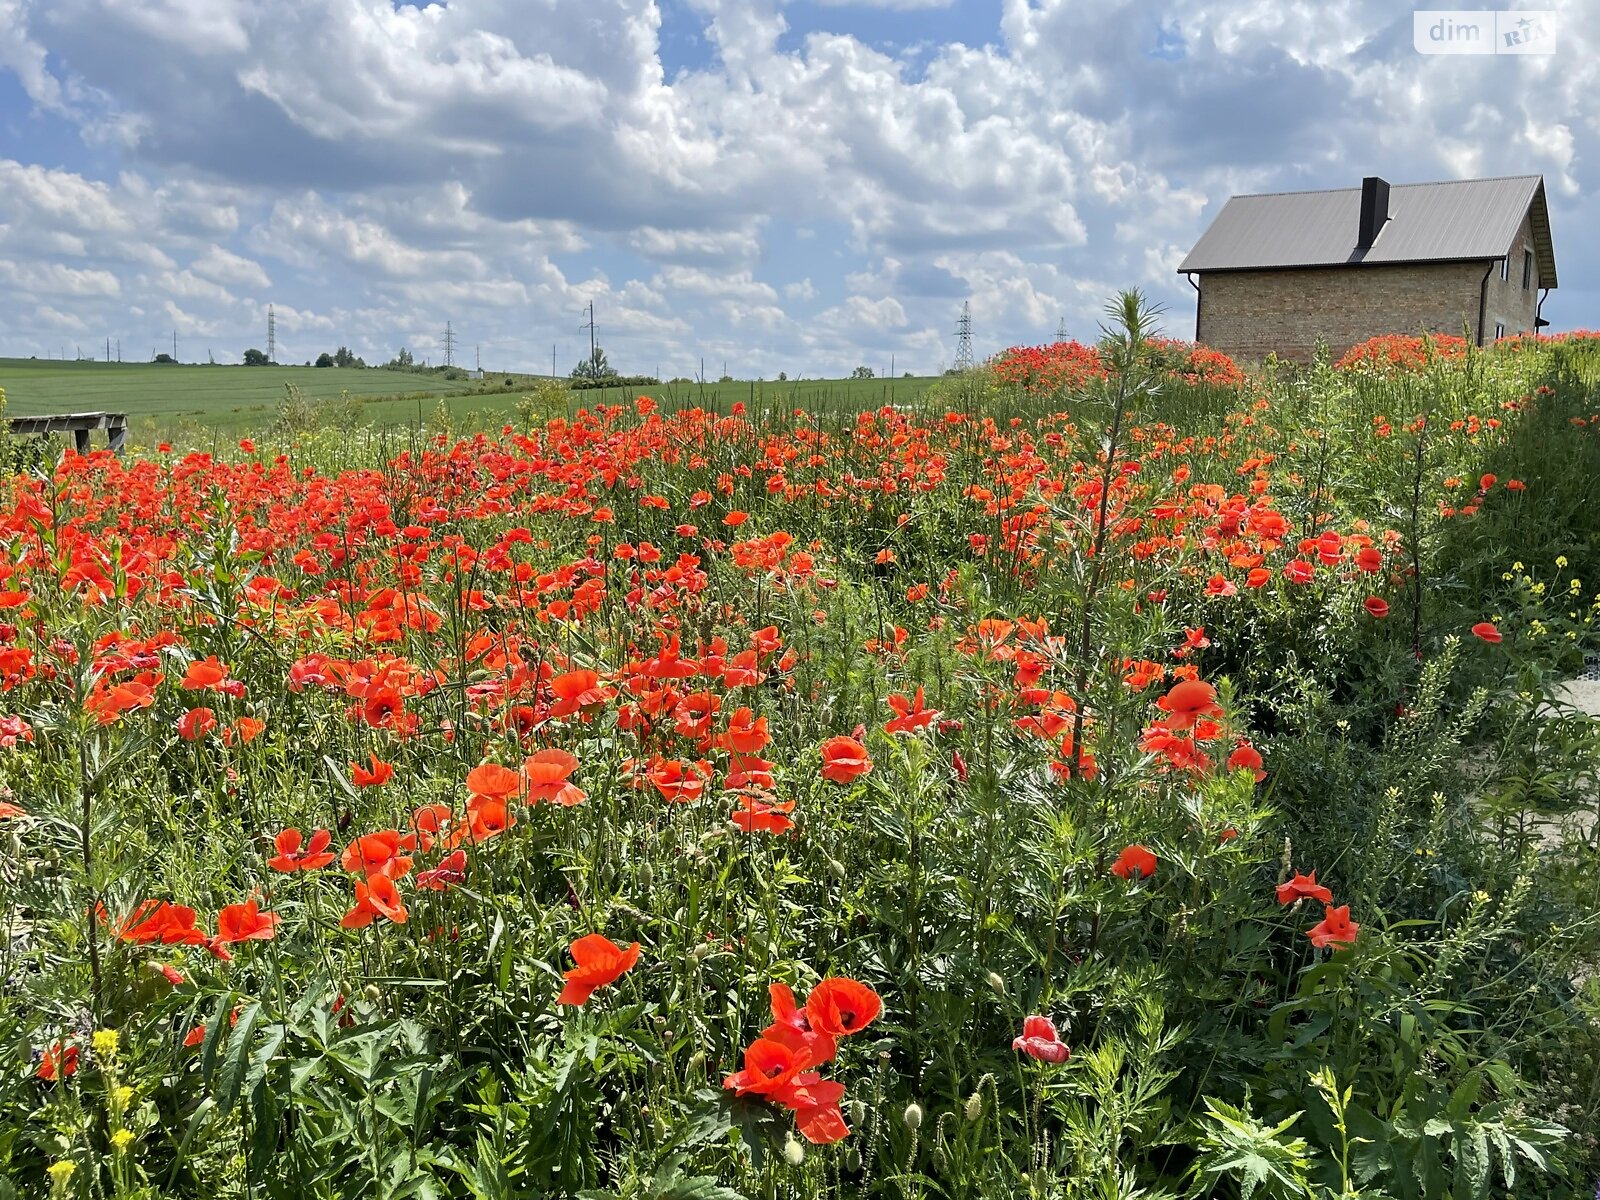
35, 386
185, 402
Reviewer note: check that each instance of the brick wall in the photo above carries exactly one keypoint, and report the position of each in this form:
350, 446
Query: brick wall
1509, 303
1248, 314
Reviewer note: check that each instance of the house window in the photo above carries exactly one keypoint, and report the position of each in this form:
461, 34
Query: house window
1499, 330
1505, 268
1527, 269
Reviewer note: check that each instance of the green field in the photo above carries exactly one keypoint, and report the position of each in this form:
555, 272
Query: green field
183, 402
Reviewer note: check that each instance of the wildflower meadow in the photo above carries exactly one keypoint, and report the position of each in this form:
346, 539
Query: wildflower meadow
1115, 774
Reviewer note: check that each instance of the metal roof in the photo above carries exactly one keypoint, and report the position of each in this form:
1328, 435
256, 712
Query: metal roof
1428, 222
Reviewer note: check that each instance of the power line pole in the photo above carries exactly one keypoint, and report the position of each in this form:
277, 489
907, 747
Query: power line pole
552, 360
964, 338
1061, 330
119, 349
477, 357
174, 345
594, 346
108, 349
449, 345
272, 335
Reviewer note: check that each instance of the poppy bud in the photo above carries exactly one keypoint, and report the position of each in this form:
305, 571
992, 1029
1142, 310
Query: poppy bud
973, 1110
647, 876
836, 868
343, 822
794, 1152
858, 1111
997, 984
852, 1160
374, 993
700, 952
696, 1064
1287, 866
913, 1116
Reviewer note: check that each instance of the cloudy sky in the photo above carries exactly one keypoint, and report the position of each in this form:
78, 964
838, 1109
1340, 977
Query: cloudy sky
794, 186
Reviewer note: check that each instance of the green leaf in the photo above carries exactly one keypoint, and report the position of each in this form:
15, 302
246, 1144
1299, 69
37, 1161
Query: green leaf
232, 1076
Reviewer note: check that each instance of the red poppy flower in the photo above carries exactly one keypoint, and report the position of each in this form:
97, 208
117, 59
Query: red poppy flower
844, 760
376, 897
291, 857
159, 921
910, 715
59, 1061
1187, 702
1133, 860
840, 1006
485, 819
547, 773
677, 783
1299, 571
376, 774
1369, 559
204, 674
600, 961
747, 733
383, 853
1303, 887
494, 782
1487, 632
578, 692
1041, 1041
451, 871
1247, 758
245, 923
763, 816
792, 1027
7, 809
196, 723
431, 821
1376, 606
769, 1066
1335, 929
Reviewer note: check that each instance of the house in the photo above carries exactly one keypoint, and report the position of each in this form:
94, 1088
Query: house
1276, 273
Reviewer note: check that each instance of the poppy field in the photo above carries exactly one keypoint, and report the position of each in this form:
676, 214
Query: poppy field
1118, 774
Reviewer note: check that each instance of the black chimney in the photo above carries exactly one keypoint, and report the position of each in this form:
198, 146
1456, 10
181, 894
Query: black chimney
1374, 211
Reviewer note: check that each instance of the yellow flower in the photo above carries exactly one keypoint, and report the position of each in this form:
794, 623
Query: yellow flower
1516, 566
121, 1140
62, 1171
105, 1043
122, 1096
1561, 560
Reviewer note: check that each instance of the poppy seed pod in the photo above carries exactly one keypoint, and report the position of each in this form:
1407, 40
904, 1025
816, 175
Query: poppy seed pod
913, 1116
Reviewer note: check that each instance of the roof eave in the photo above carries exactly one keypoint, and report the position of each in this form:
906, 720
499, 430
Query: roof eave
1343, 266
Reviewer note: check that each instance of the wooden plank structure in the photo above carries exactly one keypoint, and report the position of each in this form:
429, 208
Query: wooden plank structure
80, 425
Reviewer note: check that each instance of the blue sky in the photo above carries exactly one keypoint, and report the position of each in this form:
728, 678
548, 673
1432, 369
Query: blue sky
796, 187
